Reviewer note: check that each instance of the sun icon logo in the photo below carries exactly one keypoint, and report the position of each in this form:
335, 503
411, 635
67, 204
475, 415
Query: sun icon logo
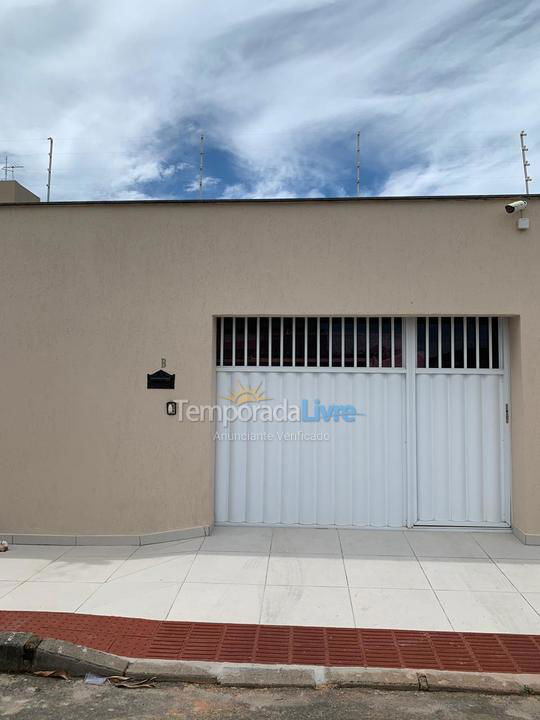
246, 395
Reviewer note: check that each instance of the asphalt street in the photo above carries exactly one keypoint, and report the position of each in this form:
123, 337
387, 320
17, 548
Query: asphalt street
25, 697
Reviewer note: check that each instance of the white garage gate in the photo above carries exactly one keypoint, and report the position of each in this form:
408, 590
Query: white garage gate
398, 421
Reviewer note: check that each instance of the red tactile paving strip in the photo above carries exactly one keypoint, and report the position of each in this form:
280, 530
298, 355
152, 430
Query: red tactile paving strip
221, 642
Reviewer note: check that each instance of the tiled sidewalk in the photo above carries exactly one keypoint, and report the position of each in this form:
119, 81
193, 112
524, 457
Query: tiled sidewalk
284, 644
419, 579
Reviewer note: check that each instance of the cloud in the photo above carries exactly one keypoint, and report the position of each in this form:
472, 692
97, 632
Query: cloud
170, 170
439, 90
207, 182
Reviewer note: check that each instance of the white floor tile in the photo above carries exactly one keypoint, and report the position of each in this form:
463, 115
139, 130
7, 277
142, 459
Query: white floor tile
314, 570
132, 598
465, 574
202, 602
305, 541
113, 552
238, 539
489, 612
375, 542
7, 587
96, 570
241, 568
523, 574
385, 572
322, 606
534, 600
398, 609
47, 597
507, 546
436, 543
17, 569
37, 552
165, 568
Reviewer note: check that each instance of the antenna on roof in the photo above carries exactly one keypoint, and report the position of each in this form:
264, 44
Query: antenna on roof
10, 168
526, 163
358, 164
49, 169
201, 166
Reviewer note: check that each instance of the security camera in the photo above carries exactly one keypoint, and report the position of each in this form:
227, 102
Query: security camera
516, 205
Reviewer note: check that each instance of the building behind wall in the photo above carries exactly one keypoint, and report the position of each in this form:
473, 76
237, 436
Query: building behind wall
13, 192
420, 313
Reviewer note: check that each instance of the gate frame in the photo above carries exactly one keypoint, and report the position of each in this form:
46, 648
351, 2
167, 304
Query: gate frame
409, 335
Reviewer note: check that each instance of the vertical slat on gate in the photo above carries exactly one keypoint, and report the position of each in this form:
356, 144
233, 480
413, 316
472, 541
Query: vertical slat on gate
380, 342
270, 357
222, 325
452, 344
392, 344
245, 341
439, 338
490, 343
258, 342
342, 342
428, 349
318, 342
477, 330
294, 342
234, 341
305, 342
465, 341
281, 342
368, 343
330, 341
355, 342
502, 349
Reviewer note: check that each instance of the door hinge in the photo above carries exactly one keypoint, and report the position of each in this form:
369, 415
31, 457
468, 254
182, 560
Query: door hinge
507, 413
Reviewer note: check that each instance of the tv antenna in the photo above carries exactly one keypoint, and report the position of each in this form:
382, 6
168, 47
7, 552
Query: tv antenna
10, 168
49, 169
526, 163
201, 166
358, 164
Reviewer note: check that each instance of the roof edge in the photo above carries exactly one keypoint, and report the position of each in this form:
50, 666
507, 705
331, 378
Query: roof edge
280, 201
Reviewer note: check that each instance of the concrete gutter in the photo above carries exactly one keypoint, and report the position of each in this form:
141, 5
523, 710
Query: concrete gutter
25, 652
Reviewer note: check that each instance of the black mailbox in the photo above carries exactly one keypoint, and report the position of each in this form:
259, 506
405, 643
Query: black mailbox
160, 380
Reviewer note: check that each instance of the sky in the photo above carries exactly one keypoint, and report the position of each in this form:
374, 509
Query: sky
439, 92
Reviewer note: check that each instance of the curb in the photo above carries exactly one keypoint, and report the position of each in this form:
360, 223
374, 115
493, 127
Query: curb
25, 652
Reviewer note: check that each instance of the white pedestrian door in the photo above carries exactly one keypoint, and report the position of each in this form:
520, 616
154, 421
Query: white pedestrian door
461, 422
319, 416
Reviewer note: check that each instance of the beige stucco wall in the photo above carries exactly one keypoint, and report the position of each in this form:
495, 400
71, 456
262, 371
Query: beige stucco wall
93, 296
